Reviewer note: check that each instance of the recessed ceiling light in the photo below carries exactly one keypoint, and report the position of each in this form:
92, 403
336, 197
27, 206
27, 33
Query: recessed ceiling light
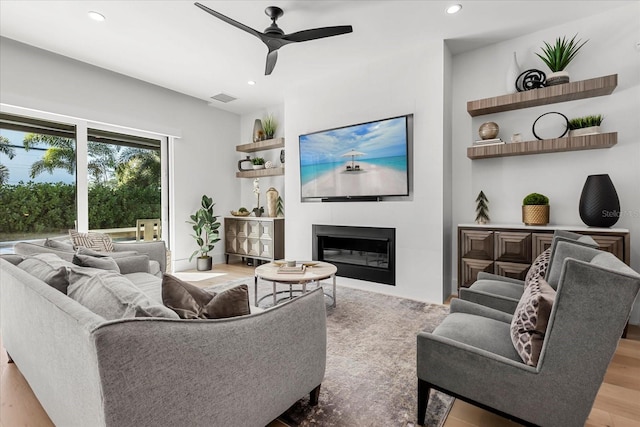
96, 16
251, 83
454, 9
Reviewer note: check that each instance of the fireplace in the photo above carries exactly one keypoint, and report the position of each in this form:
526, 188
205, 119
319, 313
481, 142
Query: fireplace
365, 253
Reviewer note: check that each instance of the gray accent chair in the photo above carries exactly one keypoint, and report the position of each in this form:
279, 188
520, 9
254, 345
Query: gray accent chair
470, 355
503, 293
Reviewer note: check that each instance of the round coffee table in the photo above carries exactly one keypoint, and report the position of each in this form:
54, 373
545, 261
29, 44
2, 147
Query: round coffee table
313, 273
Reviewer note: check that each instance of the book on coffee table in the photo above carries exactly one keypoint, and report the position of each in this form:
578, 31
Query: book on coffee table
298, 269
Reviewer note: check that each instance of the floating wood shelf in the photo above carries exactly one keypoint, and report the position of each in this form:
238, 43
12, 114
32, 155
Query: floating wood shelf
599, 86
586, 142
267, 144
259, 173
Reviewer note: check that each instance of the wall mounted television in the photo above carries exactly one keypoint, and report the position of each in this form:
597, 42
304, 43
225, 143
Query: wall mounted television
366, 161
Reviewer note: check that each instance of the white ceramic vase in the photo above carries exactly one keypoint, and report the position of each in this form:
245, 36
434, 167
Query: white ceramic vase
512, 74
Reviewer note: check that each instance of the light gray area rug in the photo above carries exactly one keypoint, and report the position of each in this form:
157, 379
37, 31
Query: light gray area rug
370, 378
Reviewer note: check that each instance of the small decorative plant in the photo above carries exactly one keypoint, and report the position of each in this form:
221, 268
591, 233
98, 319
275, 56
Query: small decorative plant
482, 210
535, 209
205, 226
269, 125
585, 122
535, 199
559, 55
243, 210
257, 161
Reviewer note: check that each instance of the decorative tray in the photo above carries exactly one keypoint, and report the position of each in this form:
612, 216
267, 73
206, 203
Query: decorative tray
236, 213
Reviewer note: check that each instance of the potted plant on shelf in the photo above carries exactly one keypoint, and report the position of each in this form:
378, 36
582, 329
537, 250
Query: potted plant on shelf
258, 162
535, 209
205, 226
269, 126
558, 56
587, 125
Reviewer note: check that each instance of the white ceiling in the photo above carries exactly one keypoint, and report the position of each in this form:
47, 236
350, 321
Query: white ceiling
174, 44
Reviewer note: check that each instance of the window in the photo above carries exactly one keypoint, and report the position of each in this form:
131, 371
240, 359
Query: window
37, 179
56, 176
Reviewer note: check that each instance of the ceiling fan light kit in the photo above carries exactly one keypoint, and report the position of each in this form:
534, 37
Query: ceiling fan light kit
274, 37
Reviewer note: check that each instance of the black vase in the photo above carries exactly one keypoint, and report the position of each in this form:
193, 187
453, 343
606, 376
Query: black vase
599, 203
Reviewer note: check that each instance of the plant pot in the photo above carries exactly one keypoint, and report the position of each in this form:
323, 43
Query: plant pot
257, 212
557, 78
204, 263
591, 130
535, 214
256, 167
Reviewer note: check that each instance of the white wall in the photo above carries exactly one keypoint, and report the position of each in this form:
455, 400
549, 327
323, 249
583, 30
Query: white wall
408, 82
204, 156
481, 73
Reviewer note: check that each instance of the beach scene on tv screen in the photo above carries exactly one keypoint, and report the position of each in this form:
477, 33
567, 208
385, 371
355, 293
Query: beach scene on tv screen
369, 159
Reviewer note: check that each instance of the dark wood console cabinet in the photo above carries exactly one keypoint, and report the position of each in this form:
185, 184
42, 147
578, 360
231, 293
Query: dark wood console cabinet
509, 250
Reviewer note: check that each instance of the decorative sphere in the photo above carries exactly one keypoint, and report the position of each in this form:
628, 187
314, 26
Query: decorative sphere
268, 164
488, 130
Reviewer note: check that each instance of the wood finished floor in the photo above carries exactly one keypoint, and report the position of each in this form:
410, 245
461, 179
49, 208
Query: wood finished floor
617, 403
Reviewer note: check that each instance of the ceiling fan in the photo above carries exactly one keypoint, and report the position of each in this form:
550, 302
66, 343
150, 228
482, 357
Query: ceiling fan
275, 38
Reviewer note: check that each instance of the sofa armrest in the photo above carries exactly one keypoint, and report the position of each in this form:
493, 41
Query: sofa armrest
246, 369
156, 250
494, 301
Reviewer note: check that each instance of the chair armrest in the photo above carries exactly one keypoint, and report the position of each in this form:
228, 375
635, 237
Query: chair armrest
156, 250
490, 276
250, 368
462, 306
494, 301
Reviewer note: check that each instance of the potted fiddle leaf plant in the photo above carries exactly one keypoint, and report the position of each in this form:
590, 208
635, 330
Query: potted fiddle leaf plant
535, 209
558, 56
205, 227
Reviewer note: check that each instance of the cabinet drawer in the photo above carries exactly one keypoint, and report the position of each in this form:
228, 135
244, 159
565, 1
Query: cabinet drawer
477, 244
512, 269
541, 242
613, 244
470, 269
513, 247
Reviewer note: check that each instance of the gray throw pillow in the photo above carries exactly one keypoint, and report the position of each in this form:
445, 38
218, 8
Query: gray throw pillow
113, 296
191, 302
57, 244
57, 278
115, 255
103, 263
133, 264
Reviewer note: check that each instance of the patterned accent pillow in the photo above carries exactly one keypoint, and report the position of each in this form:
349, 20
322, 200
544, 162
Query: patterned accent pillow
97, 241
529, 323
538, 268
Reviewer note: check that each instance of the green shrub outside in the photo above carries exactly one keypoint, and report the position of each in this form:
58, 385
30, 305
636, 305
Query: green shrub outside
36, 208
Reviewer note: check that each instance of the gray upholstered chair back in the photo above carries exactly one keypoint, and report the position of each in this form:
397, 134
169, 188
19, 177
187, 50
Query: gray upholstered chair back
562, 249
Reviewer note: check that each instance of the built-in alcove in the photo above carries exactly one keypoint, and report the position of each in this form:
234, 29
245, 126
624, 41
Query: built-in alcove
365, 253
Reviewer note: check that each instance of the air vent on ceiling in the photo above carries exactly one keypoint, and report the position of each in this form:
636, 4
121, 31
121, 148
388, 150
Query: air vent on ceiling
223, 97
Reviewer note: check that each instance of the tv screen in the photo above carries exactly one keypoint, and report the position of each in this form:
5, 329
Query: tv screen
367, 160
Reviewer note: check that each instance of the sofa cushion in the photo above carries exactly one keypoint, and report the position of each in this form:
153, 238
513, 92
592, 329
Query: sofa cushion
498, 287
115, 255
103, 263
538, 268
133, 264
57, 244
529, 324
27, 248
57, 278
97, 241
14, 259
191, 302
113, 296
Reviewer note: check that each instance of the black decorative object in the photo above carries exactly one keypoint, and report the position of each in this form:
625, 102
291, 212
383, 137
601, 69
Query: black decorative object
531, 79
599, 203
282, 156
566, 129
240, 162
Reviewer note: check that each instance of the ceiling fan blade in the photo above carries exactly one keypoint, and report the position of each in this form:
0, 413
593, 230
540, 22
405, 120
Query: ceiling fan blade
272, 57
230, 21
318, 33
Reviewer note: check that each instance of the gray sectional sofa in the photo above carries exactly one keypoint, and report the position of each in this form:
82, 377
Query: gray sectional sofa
150, 371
